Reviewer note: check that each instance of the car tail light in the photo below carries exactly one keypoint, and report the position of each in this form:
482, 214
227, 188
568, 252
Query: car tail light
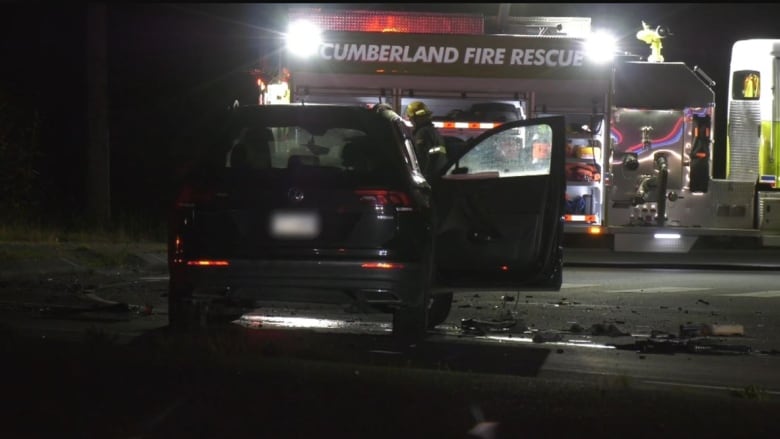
178, 250
382, 265
208, 263
381, 197
191, 196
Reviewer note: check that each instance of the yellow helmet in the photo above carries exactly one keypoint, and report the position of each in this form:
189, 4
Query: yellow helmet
417, 109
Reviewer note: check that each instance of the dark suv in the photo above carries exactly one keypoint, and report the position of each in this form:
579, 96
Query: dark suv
326, 204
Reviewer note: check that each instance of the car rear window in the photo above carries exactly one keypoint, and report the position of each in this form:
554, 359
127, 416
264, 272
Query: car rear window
316, 138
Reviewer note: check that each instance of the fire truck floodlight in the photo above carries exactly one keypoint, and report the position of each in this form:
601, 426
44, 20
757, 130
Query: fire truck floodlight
600, 47
303, 38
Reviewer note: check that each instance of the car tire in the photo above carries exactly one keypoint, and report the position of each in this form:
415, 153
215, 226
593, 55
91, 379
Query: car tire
554, 279
410, 323
439, 309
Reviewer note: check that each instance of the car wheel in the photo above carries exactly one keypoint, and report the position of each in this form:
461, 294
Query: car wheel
554, 280
439, 309
410, 323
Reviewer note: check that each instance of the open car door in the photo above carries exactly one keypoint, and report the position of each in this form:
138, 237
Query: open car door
499, 209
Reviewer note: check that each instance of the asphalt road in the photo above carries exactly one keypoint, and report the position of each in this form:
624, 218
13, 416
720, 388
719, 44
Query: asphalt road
614, 310
604, 351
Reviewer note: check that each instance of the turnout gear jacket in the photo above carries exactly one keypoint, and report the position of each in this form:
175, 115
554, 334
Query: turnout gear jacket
430, 149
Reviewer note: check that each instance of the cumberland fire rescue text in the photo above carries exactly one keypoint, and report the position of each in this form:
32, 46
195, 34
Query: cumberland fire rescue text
451, 55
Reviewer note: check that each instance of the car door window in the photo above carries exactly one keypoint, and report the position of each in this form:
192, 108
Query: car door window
521, 151
499, 209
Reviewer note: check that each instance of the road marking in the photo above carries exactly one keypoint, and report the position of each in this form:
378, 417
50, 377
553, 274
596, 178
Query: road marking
565, 285
154, 278
70, 262
764, 294
704, 386
660, 290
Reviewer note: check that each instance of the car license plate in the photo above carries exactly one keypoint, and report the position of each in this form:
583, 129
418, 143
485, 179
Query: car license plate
295, 225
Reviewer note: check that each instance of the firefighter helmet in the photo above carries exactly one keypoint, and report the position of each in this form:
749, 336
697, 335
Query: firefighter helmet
417, 109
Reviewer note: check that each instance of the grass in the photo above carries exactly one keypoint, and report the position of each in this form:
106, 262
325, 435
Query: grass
752, 392
123, 228
91, 256
31, 244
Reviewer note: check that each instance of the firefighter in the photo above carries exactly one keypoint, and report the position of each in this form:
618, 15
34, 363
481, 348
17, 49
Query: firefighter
428, 143
751, 86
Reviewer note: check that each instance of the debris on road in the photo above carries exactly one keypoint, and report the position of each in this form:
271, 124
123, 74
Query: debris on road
547, 337
724, 330
702, 345
720, 330
609, 330
694, 339
482, 327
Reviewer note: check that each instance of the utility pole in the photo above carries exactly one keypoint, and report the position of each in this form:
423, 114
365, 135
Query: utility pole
98, 157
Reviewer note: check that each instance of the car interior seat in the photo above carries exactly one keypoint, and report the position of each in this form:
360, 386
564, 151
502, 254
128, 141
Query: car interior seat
300, 160
253, 149
354, 155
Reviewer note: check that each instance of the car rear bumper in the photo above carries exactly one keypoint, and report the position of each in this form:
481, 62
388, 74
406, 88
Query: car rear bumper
309, 280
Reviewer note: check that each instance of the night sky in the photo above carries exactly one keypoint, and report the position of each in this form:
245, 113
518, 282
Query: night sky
171, 66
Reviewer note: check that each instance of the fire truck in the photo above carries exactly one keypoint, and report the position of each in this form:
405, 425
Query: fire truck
639, 132
753, 148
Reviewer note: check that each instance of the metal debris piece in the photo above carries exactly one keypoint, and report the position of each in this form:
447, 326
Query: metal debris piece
708, 346
690, 330
702, 345
481, 327
547, 337
609, 330
721, 330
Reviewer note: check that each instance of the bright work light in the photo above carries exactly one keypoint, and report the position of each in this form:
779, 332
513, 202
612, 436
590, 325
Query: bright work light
303, 38
600, 47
